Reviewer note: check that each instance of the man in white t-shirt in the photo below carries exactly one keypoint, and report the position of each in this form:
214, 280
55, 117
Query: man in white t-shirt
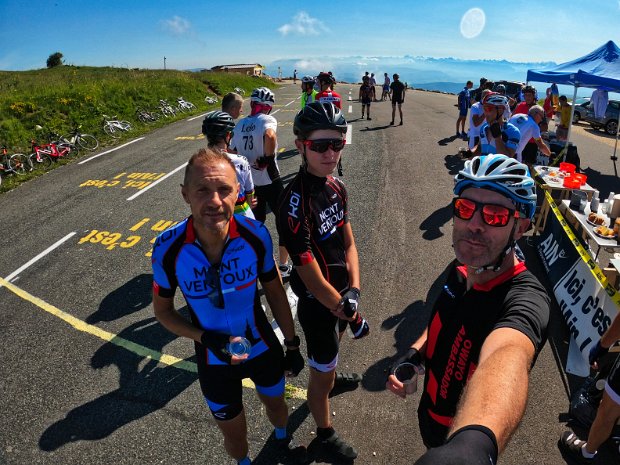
529, 129
255, 138
476, 118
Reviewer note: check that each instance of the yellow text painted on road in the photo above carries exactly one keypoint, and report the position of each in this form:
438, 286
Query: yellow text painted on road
131, 346
198, 137
125, 181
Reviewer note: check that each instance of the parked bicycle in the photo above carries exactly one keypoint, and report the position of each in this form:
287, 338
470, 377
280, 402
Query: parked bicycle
114, 127
184, 105
16, 163
166, 109
146, 116
239, 90
211, 99
80, 139
43, 154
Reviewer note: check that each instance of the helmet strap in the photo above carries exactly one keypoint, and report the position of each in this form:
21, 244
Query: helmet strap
500, 259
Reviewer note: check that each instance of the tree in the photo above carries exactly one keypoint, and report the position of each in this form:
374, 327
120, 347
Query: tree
55, 59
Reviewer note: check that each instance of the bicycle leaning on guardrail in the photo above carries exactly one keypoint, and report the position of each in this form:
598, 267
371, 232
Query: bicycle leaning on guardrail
114, 127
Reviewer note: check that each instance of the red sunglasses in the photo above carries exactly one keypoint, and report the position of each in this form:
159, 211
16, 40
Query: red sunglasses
321, 145
492, 214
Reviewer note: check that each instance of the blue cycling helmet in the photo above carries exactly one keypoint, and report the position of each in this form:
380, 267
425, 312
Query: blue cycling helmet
501, 174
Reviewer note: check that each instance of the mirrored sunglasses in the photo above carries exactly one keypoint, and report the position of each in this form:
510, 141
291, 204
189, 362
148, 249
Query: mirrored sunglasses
492, 214
321, 145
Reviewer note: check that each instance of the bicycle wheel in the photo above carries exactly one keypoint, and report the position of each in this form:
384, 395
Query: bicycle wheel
68, 150
180, 109
110, 130
19, 164
41, 162
125, 125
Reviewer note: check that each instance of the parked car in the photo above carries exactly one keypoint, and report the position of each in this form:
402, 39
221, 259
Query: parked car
609, 122
581, 107
512, 88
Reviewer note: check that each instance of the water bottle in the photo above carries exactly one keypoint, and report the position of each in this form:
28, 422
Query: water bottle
239, 346
594, 203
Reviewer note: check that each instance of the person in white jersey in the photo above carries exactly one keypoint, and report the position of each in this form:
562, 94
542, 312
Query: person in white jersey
529, 129
476, 118
255, 138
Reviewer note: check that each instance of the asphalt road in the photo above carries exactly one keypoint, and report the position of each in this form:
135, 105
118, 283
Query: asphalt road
89, 376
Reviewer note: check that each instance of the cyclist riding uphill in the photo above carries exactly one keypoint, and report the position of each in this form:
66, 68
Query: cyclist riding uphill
487, 325
314, 223
327, 94
496, 134
217, 128
308, 94
255, 138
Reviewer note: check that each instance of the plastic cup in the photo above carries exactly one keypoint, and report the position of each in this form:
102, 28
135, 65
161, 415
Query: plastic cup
239, 346
407, 373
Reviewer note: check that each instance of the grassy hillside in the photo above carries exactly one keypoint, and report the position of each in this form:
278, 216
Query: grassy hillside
60, 98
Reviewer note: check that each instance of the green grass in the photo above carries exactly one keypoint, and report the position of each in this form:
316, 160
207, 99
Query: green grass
60, 98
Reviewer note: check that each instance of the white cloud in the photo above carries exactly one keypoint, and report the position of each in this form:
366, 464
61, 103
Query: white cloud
303, 25
176, 26
313, 64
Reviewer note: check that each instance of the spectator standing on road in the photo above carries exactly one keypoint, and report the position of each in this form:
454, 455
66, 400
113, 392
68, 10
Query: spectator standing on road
398, 98
327, 94
314, 221
608, 412
295, 77
308, 94
496, 134
365, 96
529, 129
232, 103
215, 258
373, 83
217, 128
464, 102
488, 324
565, 110
255, 138
385, 95
476, 118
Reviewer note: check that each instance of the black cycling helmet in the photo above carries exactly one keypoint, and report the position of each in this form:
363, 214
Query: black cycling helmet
529, 89
317, 115
217, 124
326, 77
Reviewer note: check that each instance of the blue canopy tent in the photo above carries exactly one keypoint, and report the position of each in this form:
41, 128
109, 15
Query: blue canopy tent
598, 69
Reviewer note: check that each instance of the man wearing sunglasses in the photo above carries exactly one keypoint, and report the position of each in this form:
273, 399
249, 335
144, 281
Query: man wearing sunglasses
487, 325
313, 220
531, 140
217, 258
496, 134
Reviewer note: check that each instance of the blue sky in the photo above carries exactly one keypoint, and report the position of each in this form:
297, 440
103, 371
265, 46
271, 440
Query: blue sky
201, 34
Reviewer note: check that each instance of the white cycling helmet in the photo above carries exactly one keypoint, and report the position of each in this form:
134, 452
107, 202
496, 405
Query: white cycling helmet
501, 174
263, 95
307, 79
496, 99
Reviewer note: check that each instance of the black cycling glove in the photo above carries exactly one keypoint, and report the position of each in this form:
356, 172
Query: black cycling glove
293, 361
359, 327
216, 343
262, 162
471, 445
350, 301
412, 356
596, 352
496, 130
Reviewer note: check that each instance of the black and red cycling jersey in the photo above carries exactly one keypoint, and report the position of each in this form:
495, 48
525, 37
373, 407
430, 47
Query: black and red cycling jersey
311, 217
459, 324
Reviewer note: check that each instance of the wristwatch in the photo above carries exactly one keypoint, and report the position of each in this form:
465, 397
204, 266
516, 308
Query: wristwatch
293, 343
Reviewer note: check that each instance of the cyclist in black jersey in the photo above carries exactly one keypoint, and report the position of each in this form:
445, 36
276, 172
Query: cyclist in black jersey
487, 326
313, 221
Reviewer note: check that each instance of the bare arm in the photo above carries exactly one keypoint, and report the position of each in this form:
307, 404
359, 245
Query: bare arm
501, 147
496, 395
172, 320
543, 147
271, 141
278, 302
478, 119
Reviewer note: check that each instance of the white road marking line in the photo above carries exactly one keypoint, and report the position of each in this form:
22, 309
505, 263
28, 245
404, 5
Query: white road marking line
142, 191
196, 117
274, 112
350, 108
349, 136
292, 301
38, 257
111, 150
292, 101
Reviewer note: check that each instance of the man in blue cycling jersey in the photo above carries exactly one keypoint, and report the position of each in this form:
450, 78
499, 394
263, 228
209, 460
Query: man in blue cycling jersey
488, 324
497, 135
217, 258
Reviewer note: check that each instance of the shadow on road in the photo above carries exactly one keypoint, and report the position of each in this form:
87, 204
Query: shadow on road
144, 387
432, 224
409, 324
131, 297
376, 128
605, 183
454, 163
447, 140
288, 154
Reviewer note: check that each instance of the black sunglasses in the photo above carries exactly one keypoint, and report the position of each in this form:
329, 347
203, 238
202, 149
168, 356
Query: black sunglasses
492, 214
215, 293
321, 145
